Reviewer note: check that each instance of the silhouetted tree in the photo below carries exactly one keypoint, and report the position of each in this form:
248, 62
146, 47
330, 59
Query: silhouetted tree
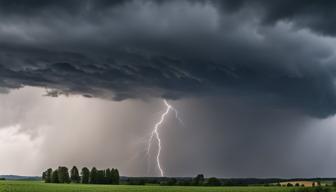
48, 175
63, 175
93, 175
44, 175
54, 177
74, 175
100, 177
198, 180
85, 175
108, 176
115, 176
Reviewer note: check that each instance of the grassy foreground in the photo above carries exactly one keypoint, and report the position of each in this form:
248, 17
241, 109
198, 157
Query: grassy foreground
35, 186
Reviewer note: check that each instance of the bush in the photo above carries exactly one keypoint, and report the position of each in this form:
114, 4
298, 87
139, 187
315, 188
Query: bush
213, 181
184, 183
311, 189
198, 180
169, 182
136, 182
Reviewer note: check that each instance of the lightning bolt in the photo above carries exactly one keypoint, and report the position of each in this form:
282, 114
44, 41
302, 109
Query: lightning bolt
155, 133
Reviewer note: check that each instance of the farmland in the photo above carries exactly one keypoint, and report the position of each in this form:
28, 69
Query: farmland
36, 186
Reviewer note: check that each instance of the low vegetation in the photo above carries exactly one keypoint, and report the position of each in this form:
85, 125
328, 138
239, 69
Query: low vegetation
33, 186
37, 186
312, 189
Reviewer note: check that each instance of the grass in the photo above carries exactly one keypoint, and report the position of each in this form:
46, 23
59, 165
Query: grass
36, 186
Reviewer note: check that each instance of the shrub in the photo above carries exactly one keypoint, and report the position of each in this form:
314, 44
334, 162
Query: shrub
334, 184
184, 183
169, 182
198, 180
136, 182
213, 181
311, 189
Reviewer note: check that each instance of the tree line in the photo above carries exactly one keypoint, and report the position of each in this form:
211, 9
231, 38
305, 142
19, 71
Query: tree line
95, 176
198, 180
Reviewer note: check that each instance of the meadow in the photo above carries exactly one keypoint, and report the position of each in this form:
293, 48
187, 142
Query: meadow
36, 186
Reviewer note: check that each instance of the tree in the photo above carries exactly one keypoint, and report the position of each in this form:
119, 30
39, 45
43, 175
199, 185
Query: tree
48, 175
44, 175
74, 175
93, 175
213, 181
63, 175
54, 177
115, 176
100, 177
85, 175
198, 180
108, 176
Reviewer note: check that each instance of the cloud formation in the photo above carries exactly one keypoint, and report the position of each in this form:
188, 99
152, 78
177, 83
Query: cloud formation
280, 53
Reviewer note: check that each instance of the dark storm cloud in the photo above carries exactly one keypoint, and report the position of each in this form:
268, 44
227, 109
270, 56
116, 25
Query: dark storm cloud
270, 52
318, 16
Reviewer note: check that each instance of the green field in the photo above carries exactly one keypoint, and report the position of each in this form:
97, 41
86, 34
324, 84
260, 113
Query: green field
35, 186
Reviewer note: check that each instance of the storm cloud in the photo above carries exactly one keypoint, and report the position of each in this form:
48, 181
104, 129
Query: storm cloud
278, 53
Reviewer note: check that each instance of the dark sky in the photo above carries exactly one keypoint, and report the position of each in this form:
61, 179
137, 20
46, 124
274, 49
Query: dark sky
253, 80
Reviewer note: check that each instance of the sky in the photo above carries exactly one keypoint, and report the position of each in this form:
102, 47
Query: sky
83, 83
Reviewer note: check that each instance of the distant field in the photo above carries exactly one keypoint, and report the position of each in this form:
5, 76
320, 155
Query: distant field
35, 186
305, 183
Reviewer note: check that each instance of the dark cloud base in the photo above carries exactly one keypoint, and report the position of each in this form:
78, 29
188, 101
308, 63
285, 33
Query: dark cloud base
277, 53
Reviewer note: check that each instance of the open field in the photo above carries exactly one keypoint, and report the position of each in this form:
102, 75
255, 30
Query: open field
35, 186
